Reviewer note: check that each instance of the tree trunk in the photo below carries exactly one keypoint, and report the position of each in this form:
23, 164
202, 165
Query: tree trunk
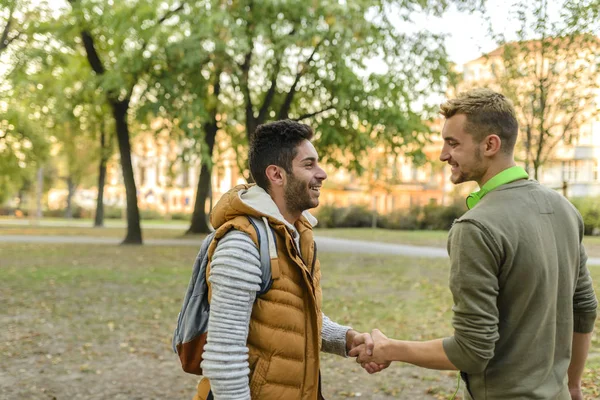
39, 192
99, 217
199, 222
70, 193
536, 167
134, 232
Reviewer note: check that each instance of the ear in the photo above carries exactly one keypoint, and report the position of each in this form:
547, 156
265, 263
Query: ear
492, 145
276, 175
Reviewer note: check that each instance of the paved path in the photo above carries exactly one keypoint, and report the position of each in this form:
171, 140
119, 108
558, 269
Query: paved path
324, 244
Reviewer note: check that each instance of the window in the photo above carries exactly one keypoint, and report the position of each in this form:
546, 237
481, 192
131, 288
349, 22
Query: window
571, 170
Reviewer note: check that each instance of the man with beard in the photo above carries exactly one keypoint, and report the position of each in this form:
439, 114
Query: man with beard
524, 305
267, 347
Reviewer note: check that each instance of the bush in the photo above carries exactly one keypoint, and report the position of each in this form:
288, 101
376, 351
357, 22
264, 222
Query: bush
355, 217
429, 217
401, 219
79, 212
437, 217
589, 207
113, 212
13, 212
325, 216
58, 213
181, 216
330, 216
76, 212
151, 214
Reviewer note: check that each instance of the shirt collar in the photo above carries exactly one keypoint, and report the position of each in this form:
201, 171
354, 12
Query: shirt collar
508, 175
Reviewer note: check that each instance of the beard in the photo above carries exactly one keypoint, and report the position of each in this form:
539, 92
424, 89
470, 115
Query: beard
475, 172
298, 196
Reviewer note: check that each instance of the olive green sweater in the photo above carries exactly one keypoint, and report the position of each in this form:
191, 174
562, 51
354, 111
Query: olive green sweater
521, 288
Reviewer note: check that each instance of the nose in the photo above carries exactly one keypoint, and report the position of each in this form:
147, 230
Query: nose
321, 174
444, 156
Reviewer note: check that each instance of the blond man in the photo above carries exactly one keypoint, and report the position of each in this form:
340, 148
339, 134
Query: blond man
524, 305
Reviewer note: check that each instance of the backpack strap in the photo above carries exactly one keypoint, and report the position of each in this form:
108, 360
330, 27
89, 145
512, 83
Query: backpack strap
267, 247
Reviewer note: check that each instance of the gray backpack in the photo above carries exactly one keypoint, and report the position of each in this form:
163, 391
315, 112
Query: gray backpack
191, 331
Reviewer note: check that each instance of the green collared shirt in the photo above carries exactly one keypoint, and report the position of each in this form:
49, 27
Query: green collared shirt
508, 175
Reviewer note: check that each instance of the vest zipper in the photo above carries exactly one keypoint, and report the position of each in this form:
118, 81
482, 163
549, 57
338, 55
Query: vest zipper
299, 253
312, 268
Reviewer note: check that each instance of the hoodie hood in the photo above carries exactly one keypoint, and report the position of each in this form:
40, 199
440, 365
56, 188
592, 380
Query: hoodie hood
255, 201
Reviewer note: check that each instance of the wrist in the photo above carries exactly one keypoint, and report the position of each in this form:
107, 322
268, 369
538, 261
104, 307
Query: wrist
350, 333
384, 350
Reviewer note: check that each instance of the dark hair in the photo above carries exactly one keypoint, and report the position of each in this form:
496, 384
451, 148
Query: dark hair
487, 112
275, 143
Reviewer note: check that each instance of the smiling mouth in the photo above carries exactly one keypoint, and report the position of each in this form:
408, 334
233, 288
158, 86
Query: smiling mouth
316, 189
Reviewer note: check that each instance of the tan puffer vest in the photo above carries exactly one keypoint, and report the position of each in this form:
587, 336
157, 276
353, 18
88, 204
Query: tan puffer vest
284, 340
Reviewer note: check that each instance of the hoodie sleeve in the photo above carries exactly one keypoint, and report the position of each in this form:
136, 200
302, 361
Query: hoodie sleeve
235, 277
333, 337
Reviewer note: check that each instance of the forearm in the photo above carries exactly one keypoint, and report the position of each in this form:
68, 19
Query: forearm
428, 354
580, 349
334, 337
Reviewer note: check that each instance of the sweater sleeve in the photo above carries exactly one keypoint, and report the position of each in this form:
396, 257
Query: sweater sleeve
333, 337
585, 303
474, 286
235, 277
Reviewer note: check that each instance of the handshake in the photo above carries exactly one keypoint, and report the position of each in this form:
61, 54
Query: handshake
368, 349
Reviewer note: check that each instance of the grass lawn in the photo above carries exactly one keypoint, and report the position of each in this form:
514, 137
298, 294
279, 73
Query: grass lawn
95, 322
90, 221
147, 233
592, 245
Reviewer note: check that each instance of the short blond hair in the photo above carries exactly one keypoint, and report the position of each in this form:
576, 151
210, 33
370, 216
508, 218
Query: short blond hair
488, 113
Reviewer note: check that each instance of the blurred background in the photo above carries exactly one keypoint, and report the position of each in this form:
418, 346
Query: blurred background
143, 109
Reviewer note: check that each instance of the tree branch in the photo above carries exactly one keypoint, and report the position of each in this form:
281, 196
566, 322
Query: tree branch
216, 92
170, 13
91, 53
149, 65
162, 19
271, 92
285, 107
566, 129
245, 67
314, 114
90, 50
246, 88
4, 40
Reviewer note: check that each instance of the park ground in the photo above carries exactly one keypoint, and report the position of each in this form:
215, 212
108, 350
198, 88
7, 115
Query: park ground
83, 321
